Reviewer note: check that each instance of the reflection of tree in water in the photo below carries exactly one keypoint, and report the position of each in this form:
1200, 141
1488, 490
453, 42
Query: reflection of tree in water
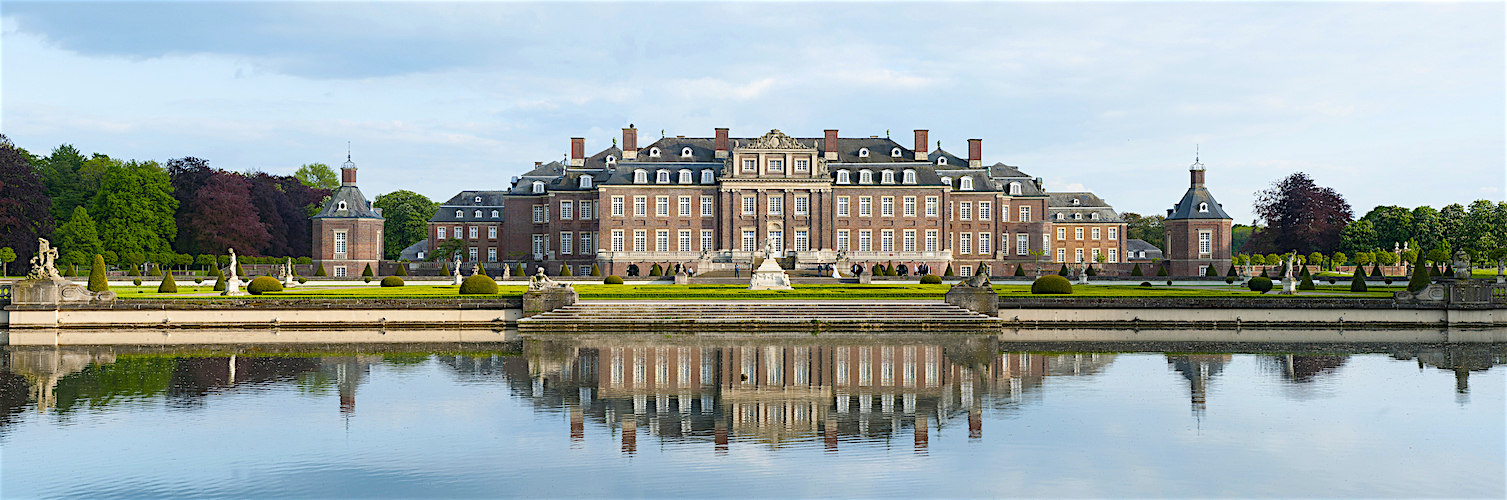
1303, 374
1199, 370
1458, 358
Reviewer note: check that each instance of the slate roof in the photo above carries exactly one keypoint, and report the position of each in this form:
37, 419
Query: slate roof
557, 177
465, 201
412, 252
623, 174
1188, 207
1134, 247
1087, 204
356, 205
952, 160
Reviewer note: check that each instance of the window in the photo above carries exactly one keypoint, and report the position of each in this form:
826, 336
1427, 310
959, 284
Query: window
931, 240
985, 209
947, 181
1093, 216
908, 240
583, 270
802, 241
566, 240
340, 206
640, 206
1203, 207
748, 241
842, 239
1022, 244
965, 183
865, 177
585, 181
909, 206
340, 242
1077, 233
439, 233
1077, 202
894, 152
457, 232
654, 152
887, 240
340, 270
802, 205
750, 165
587, 248
640, 240
1046, 243
842, 178
661, 176
491, 254
1061, 255
965, 210
685, 207
909, 177
685, 152
538, 246
865, 240
706, 240
617, 240
684, 241
777, 240
776, 204
865, 206
585, 211
776, 165
1094, 256
984, 244
1205, 242
460, 214
965, 243
1077, 255
611, 160
941, 160
965, 271
863, 152
567, 210
887, 206
538, 215
1078, 216
1025, 214
706, 206
538, 187
685, 176
473, 232
750, 205
1114, 255
617, 206
1061, 233
803, 165
887, 177
662, 206
491, 232
640, 177
1015, 189
931, 206
842, 206
1095, 233
707, 176
495, 214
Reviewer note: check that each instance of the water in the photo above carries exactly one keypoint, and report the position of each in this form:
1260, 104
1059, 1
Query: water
659, 416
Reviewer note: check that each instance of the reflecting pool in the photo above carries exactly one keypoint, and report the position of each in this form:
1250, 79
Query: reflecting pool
783, 416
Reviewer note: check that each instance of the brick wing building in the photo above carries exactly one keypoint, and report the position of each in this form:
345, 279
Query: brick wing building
1197, 230
347, 231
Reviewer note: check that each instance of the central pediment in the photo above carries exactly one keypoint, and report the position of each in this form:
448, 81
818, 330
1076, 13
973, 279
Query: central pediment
775, 140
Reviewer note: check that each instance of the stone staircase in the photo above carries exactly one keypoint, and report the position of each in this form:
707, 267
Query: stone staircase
758, 316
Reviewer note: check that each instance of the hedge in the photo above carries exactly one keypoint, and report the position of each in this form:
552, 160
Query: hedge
478, 284
1051, 284
1260, 284
264, 284
392, 281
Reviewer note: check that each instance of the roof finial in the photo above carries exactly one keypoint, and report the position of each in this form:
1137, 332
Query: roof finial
1195, 153
347, 150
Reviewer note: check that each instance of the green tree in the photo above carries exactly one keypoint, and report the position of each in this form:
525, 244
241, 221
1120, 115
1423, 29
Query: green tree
79, 234
7, 255
449, 250
1358, 236
1147, 229
97, 281
1428, 228
406, 215
1453, 219
59, 173
1339, 258
317, 176
1393, 225
136, 206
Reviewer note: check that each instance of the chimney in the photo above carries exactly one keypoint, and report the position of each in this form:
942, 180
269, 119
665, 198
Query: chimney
630, 143
577, 151
921, 145
829, 145
975, 153
721, 143
348, 172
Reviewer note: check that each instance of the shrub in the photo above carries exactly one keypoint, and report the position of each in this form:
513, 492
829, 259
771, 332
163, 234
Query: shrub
656, 270
1307, 283
1210, 271
264, 284
97, 281
1169, 282
1420, 276
1091, 271
1063, 271
220, 282
1231, 272
238, 270
1051, 284
167, 285
1162, 271
136, 282
368, 272
1260, 284
1376, 271
391, 282
595, 271
367, 279
949, 271
302, 280
613, 280
518, 271
320, 271
478, 284
1331, 281
445, 268
890, 270
1229, 281
1136, 271
199, 280
878, 270
1387, 281
565, 270
1020, 269
1358, 282
931, 279
1146, 284
133, 272
402, 269
1263, 273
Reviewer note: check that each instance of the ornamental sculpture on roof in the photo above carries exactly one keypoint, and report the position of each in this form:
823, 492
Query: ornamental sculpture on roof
776, 140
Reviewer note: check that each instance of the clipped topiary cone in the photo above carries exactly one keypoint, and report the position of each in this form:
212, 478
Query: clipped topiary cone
565, 270
97, 281
320, 271
167, 285
1020, 269
595, 271
367, 273
402, 269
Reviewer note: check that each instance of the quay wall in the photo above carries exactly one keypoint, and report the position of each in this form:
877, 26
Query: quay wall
1315, 313
269, 313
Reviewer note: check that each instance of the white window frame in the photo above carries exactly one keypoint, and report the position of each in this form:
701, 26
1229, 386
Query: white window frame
472, 231
640, 240
887, 240
931, 240
775, 203
865, 206
965, 210
683, 241
707, 176
707, 240
865, 176
683, 206
1022, 244
775, 165
844, 206
538, 187
640, 206
617, 240
887, 206
965, 183
661, 176
908, 206
986, 209
661, 206
865, 240
1015, 189
685, 177
1114, 233
1025, 213
567, 242
750, 240
641, 176
617, 206
342, 243
984, 244
439, 233
844, 239
708, 206
1094, 233
844, 177
802, 241
931, 206
908, 240
750, 205
802, 205
491, 232
965, 243
567, 210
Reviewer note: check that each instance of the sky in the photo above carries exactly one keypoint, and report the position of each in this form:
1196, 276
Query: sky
1388, 103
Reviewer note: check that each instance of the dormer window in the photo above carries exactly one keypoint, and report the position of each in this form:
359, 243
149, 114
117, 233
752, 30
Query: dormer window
1015, 188
494, 214
1060, 216
865, 177
611, 160
538, 187
662, 177
654, 152
460, 214
887, 177
941, 160
585, 182
478, 214
477, 199
1203, 207
340, 206
685, 152
965, 183
685, 176
863, 152
1077, 202
1093, 216
640, 177
909, 177
707, 176
1078, 216
842, 178
947, 181
895, 153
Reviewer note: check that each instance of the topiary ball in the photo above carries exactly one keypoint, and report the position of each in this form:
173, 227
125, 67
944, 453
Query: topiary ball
1051, 284
1259, 284
1331, 281
931, 279
1169, 282
1229, 281
1387, 281
367, 279
302, 280
136, 282
613, 280
264, 284
392, 281
1146, 284
478, 285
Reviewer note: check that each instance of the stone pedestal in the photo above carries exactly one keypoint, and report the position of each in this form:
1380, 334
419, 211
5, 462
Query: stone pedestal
864, 278
981, 300
682, 279
52, 292
548, 299
769, 276
233, 287
1289, 287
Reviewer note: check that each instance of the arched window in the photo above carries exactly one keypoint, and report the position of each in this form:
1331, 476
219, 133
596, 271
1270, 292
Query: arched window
1077, 202
1015, 188
685, 176
585, 182
1203, 207
707, 176
865, 177
661, 176
611, 160
538, 187
887, 177
947, 181
941, 160
863, 152
965, 183
494, 214
909, 177
685, 152
1093, 216
654, 152
478, 199
640, 176
842, 178
1078, 216
1060, 216
478, 214
340, 206
460, 214
895, 153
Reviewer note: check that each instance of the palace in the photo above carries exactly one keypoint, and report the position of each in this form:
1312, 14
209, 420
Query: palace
719, 201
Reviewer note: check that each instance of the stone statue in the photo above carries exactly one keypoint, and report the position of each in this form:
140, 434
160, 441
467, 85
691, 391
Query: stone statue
1461, 265
44, 263
288, 280
1289, 277
769, 251
507, 271
979, 280
232, 282
476, 269
455, 273
540, 281
705, 255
